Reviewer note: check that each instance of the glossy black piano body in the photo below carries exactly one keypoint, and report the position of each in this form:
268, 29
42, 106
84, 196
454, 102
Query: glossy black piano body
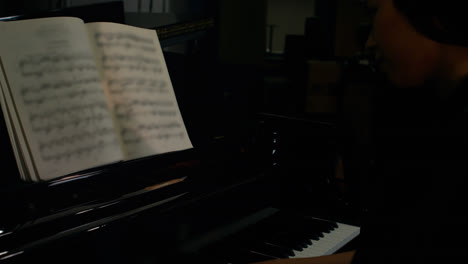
174, 207
125, 214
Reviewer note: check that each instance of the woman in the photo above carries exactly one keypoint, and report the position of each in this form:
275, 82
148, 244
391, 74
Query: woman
417, 210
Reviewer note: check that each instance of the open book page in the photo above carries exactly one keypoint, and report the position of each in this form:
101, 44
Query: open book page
57, 95
140, 89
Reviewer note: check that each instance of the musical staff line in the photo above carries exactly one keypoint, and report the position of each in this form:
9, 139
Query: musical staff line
38, 59
129, 58
76, 122
78, 152
126, 45
133, 90
142, 127
72, 139
113, 36
70, 95
133, 67
66, 111
161, 136
126, 82
41, 72
38, 65
130, 115
59, 85
142, 102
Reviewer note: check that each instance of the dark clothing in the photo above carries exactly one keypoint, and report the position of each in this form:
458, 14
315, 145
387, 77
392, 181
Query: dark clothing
416, 202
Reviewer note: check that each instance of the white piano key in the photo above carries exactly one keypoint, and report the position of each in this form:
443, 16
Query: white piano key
330, 242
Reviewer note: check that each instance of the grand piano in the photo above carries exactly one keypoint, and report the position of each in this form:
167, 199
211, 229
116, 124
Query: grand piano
256, 186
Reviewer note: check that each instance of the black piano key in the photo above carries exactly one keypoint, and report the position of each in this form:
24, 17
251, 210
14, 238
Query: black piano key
334, 225
312, 233
300, 240
301, 236
323, 225
328, 226
298, 232
316, 228
284, 240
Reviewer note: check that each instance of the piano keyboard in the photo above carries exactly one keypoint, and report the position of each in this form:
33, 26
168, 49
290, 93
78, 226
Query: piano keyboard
330, 242
282, 236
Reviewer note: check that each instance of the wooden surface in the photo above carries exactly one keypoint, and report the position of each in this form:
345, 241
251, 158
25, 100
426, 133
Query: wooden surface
341, 258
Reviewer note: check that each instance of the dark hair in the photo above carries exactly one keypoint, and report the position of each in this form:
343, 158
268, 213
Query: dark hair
441, 20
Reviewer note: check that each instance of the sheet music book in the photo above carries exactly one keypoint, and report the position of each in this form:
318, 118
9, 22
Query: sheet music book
80, 95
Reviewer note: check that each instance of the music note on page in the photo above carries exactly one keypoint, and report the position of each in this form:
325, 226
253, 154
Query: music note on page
141, 92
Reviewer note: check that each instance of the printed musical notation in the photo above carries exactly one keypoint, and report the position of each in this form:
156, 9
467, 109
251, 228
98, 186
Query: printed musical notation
162, 137
137, 85
80, 94
43, 65
41, 72
127, 58
141, 117
142, 133
153, 103
143, 101
128, 115
138, 82
59, 125
78, 152
119, 36
108, 40
138, 63
148, 127
132, 67
66, 112
125, 45
37, 60
58, 85
75, 138
66, 106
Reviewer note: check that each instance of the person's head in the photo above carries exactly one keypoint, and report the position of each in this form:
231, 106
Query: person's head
419, 40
